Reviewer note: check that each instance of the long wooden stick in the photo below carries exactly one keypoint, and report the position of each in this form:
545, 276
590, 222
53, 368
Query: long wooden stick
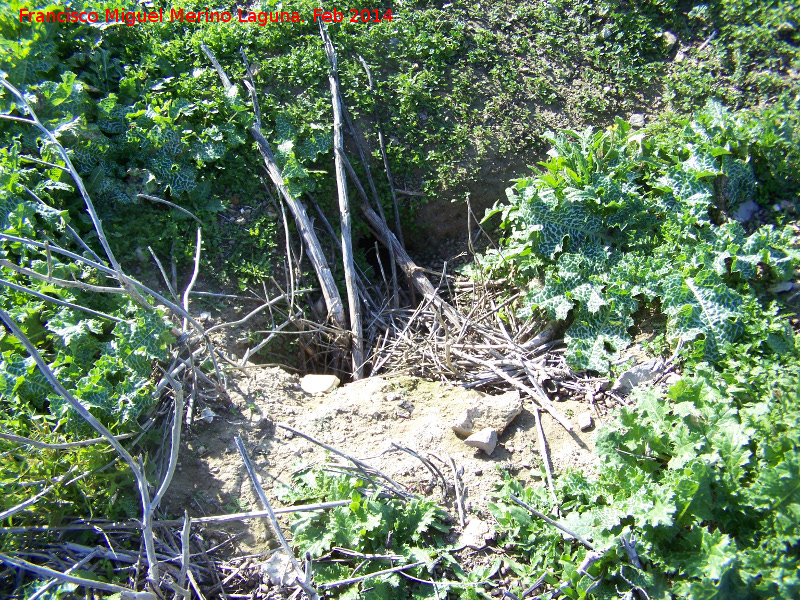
273, 521
125, 593
550, 521
376, 199
344, 209
331, 294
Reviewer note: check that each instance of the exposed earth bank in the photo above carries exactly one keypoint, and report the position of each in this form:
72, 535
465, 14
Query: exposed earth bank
363, 419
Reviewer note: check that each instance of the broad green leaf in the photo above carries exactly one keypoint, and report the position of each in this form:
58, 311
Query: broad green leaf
552, 224
702, 306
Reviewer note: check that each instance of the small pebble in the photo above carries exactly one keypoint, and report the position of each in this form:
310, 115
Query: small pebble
585, 421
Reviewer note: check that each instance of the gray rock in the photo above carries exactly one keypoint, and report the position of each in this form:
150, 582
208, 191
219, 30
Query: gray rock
319, 384
494, 412
784, 286
746, 211
636, 120
585, 421
485, 439
670, 40
636, 375
607, 32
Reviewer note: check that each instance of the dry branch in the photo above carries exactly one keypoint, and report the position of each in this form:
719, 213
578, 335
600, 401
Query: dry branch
305, 585
125, 593
332, 298
344, 208
550, 521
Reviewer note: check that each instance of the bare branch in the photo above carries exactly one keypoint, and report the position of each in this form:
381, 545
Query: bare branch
125, 593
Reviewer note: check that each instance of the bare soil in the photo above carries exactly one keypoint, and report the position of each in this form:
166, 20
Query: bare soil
362, 419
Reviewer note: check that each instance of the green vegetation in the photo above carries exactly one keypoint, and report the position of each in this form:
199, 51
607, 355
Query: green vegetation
410, 531
705, 479
620, 218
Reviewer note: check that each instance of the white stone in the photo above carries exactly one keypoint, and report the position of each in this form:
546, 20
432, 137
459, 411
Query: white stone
319, 384
494, 412
670, 40
585, 421
280, 571
745, 211
475, 534
784, 286
485, 439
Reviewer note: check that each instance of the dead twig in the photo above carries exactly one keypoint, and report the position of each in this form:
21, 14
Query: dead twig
273, 521
353, 580
458, 491
550, 521
543, 452
125, 593
362, 467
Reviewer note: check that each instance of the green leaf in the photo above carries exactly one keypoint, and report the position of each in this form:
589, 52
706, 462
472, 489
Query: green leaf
702, 306
551, 224
595, 339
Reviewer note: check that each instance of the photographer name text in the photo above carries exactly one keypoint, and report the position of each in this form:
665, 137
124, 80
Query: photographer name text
132, 18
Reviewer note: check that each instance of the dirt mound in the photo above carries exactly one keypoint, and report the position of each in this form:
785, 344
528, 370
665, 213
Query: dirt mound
363, 419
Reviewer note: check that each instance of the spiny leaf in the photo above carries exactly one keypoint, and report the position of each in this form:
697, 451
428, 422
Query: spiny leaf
702, 305
551, 224
595, 339
685, 192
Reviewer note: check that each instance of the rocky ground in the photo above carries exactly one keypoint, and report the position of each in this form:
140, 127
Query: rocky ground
367, 419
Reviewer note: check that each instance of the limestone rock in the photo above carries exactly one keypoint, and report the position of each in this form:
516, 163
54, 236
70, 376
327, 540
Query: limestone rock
485, 439
636, 120
319, 384
494, 412
476, 534
636, 375
670, 40
585, 421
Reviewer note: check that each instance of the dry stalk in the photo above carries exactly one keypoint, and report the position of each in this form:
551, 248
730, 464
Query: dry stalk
304, 584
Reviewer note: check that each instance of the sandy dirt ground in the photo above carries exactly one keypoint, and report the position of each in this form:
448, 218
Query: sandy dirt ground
363, 419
